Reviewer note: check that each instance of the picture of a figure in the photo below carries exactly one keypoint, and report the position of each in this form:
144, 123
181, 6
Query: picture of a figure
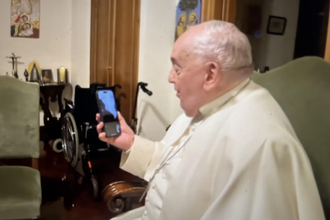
193, 19
181, 25
47, 76
26, 29
188, 14
25, 21
25, 18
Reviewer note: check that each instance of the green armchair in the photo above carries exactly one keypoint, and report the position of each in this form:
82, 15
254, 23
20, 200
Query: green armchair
20, 187
302, 88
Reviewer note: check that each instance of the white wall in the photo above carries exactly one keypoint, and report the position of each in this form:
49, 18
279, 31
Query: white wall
156, 40
80, 44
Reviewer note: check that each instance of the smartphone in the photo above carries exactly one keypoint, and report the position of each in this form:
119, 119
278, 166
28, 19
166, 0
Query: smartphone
107, 108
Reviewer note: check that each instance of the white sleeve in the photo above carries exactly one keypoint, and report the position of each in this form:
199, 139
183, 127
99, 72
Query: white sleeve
140, 156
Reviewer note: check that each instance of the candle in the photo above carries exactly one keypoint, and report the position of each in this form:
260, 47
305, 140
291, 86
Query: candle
62, 74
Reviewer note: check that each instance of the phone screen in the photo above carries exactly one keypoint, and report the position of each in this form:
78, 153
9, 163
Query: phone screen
107, 109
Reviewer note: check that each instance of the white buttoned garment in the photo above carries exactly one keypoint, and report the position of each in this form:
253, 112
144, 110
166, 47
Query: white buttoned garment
160, 183
243, 161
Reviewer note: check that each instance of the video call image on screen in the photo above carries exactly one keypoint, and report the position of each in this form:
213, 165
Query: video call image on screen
108, 102
108, 111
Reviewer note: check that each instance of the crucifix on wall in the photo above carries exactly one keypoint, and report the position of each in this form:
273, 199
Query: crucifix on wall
14, 63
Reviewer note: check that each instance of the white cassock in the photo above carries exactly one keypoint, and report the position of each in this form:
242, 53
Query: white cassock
239, 159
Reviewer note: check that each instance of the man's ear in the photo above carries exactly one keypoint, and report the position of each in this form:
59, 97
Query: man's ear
212, 76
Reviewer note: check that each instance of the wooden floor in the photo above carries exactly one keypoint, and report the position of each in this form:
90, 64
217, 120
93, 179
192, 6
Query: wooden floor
85, 207
53, 167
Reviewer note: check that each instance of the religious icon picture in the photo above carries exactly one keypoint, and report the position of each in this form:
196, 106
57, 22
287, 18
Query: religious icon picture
47, 76
188, 14
25, 18
35, 74
34, 71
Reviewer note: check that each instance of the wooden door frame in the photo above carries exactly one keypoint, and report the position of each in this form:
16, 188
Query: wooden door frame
224, 10
327, 47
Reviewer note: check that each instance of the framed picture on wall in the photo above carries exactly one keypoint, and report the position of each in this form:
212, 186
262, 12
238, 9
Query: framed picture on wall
188, 14
276, 25
25, 18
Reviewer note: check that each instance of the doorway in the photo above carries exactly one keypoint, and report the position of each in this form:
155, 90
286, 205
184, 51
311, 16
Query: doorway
115, 26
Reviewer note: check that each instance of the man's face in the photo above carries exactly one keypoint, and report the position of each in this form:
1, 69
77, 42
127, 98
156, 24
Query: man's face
26, 27
187, 75
24, 18
192, 18
183, 18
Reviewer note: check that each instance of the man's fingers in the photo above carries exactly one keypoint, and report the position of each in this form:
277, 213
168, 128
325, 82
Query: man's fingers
102, 137
98, 118
120, 117
99, 127
122, 120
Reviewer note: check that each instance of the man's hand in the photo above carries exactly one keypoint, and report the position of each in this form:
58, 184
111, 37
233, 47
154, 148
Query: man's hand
124, 141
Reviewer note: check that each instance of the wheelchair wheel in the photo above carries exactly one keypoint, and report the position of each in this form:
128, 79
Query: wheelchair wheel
70, 136
95, 187
58, 146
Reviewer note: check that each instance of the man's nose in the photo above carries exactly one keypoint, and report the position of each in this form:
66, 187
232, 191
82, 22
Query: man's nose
171, 77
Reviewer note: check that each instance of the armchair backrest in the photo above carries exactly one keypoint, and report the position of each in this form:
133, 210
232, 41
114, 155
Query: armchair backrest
19, 118
302, 88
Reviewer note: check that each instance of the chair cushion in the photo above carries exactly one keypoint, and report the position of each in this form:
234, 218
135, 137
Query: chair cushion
20, 192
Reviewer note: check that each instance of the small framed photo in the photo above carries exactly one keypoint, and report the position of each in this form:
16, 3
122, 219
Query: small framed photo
47, 75
276, 25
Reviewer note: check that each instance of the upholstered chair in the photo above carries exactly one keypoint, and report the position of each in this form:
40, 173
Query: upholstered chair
20, 188
302, 88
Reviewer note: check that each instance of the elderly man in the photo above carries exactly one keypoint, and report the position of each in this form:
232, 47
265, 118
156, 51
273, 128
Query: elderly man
233, 154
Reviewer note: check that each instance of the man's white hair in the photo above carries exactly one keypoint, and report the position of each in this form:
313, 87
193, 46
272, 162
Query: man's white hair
222, 42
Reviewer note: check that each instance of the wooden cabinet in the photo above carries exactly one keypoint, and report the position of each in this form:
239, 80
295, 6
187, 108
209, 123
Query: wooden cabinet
224, 10
115, 28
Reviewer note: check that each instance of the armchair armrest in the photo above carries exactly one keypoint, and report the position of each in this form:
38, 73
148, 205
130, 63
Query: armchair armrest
120, 195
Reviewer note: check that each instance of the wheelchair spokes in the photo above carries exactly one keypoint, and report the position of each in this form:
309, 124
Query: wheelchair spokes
70, 139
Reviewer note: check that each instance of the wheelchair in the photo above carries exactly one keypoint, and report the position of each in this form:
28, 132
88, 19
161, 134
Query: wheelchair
80, 142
